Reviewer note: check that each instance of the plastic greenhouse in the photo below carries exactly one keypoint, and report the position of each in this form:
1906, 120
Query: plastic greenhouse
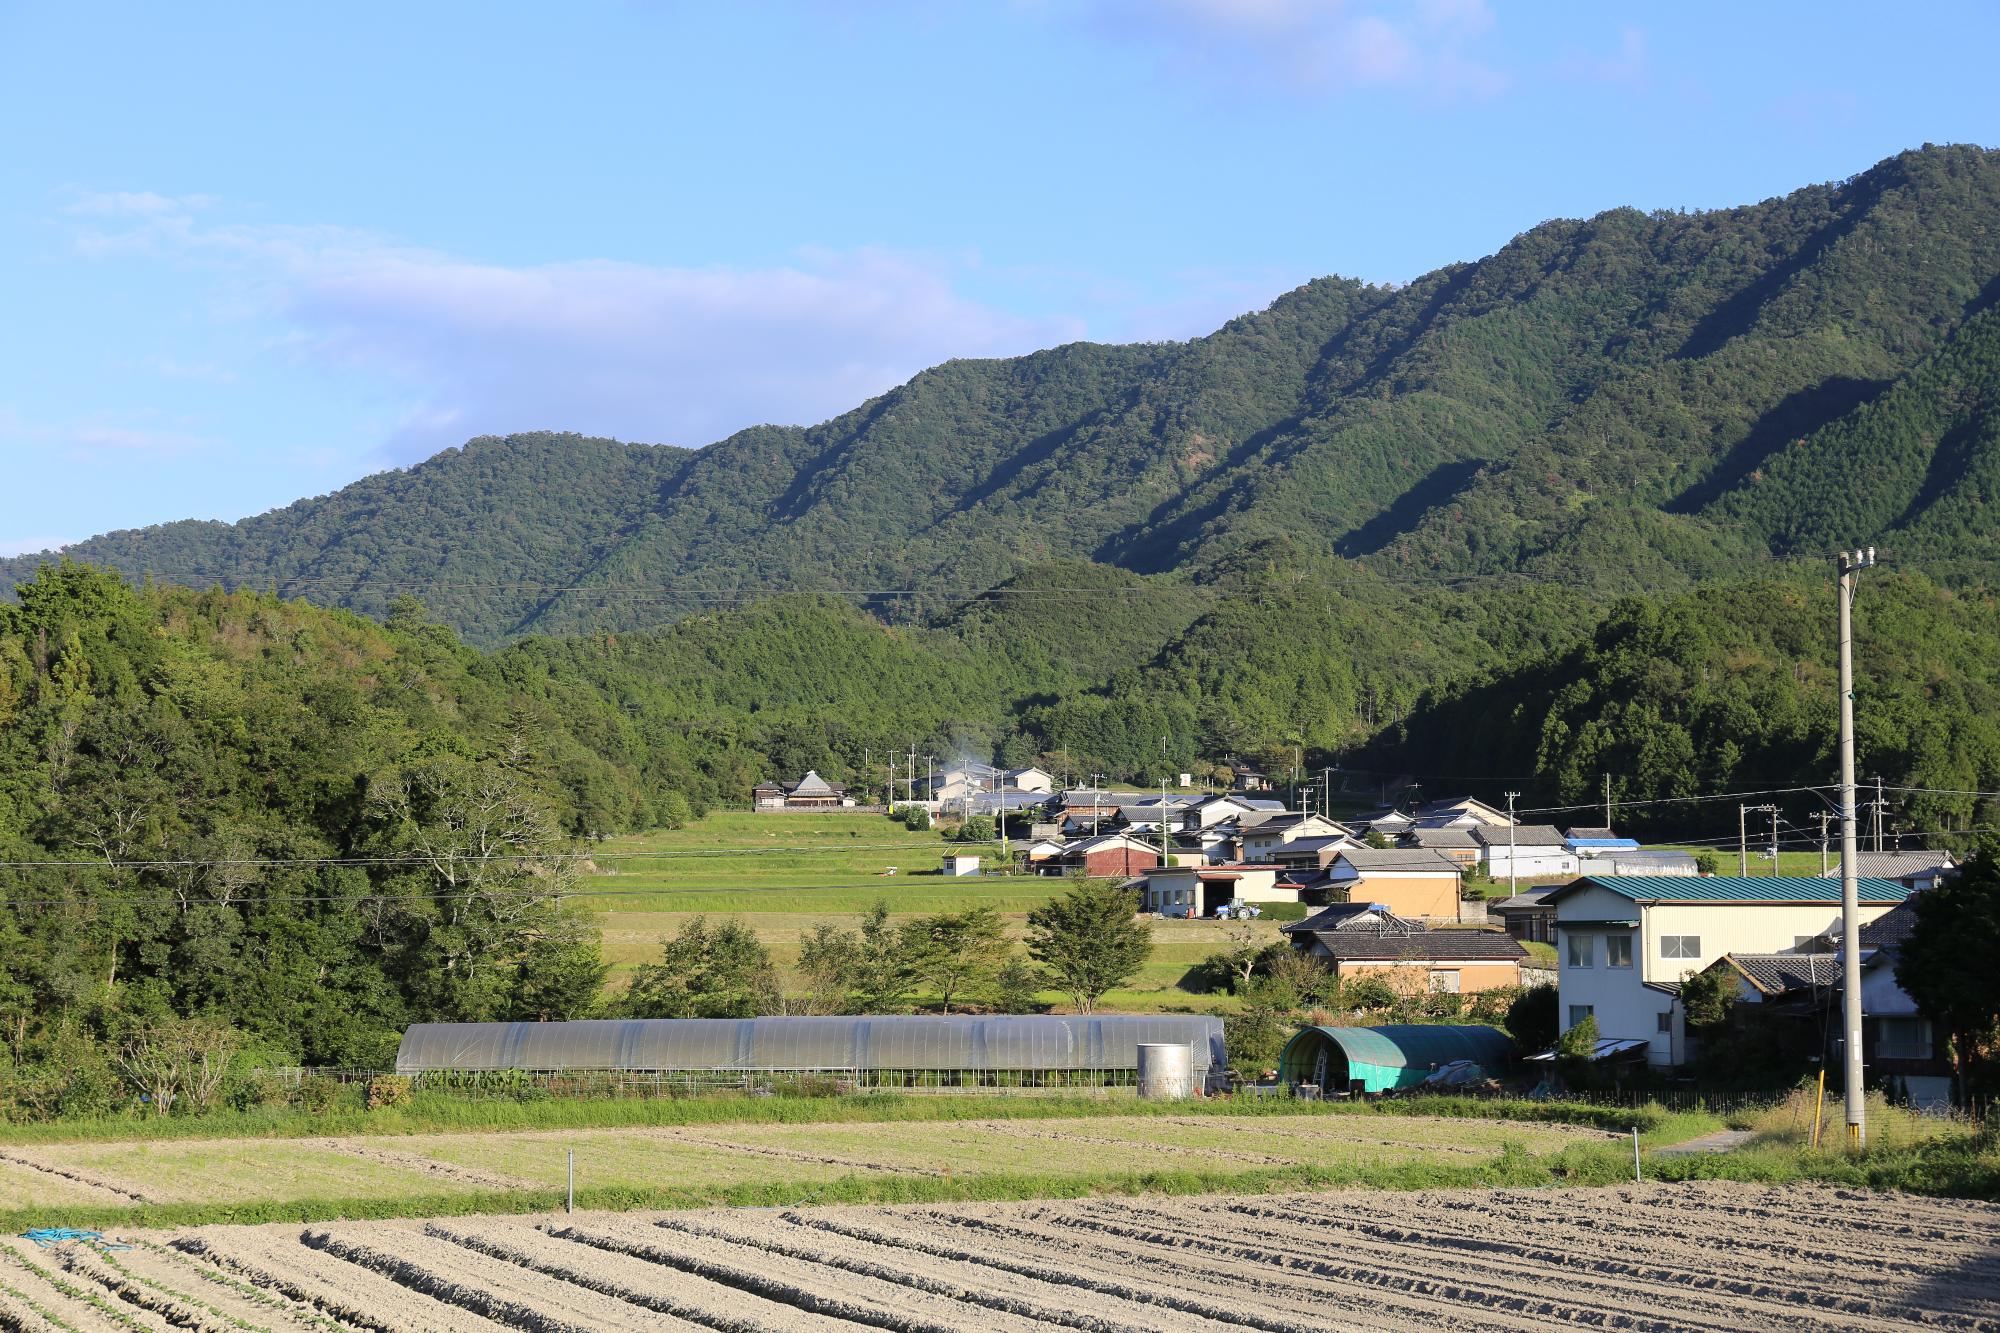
1396, 1055
902, 1051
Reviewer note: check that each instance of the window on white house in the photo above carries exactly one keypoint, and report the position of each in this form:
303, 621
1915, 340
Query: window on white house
1444, 983
1680, 946
1579, 1012
1666, 1020
1903, 1039
1581, 950
1618, 951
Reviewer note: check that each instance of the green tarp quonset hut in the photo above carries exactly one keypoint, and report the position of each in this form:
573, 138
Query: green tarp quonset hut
1398, 1055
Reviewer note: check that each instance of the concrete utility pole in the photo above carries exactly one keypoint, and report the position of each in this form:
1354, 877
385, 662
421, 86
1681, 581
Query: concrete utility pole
1513, 886
1823, 817
1607, 801
1850, 565
1774, 841
1881, 811
1743, 813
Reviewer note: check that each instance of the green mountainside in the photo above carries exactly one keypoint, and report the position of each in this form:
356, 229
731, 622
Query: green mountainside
1634, 401
1389, 527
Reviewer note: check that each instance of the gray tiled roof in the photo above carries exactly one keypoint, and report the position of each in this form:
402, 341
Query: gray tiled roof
1442, 837
1777, 973
1892, 928
1896, 865
1433, 945
1398, 858
1521, 835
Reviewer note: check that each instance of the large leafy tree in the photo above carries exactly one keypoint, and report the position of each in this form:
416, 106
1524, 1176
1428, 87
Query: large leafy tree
1089, 940
1948, 963
719, 971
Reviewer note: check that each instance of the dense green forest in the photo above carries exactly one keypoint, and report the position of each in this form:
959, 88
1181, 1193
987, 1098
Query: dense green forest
1630, 402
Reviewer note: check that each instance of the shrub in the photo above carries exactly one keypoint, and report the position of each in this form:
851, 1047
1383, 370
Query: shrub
386, 1090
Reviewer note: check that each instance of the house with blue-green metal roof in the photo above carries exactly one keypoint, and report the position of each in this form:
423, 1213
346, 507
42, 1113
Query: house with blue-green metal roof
1625, 942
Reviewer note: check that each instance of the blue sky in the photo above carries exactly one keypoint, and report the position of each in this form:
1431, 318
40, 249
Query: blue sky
249, 253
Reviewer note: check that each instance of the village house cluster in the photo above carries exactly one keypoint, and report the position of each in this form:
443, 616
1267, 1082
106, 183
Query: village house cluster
1388, 889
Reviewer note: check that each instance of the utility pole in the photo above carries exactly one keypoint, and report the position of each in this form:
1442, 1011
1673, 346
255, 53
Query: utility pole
1165, 859
1743, 813
1096, 800
1881, 811
1607, 801
1774, 841
1850, 565
910, 776
1823, 817
1513, 886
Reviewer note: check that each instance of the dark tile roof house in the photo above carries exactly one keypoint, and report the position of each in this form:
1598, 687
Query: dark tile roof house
1399, 858
1440, 838
1910, 867
1367, 932
1782, 973
1521, 835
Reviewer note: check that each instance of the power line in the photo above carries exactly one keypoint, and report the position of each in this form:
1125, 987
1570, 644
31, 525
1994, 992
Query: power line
1672, 800
295, 862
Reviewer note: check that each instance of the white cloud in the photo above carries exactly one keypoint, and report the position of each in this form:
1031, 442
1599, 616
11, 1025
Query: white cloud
639, 351
1313, 45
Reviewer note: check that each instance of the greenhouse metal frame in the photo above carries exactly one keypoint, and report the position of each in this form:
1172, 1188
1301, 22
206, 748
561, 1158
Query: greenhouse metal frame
916, 1052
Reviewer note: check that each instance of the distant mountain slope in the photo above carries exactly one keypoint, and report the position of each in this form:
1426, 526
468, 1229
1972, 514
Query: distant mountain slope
483, 533
1627, 402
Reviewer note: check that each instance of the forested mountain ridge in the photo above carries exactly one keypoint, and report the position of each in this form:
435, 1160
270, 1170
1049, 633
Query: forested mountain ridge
1634, 401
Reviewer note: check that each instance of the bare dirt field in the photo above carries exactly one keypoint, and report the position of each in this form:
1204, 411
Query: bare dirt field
1654, 1257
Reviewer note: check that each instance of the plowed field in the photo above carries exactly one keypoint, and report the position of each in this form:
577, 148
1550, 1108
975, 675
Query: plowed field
1645, 1257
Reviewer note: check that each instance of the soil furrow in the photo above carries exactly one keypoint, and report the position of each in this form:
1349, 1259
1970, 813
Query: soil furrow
1415, 1258
500, 1291
857, 1298
112, 1191
1269, 1286
960, 1281
351, 1295
667, 1290
1705, 1255
76, 1298
205, 1283
798, 1155
1060, 1270
478, 1177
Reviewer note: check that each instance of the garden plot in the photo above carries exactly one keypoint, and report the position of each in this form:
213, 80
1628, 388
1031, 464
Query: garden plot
1650, 1257
242, 1170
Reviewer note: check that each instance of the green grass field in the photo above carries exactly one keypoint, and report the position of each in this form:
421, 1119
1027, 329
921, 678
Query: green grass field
784, 874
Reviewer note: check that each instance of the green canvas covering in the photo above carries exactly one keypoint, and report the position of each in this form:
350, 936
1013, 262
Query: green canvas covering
1397, 1055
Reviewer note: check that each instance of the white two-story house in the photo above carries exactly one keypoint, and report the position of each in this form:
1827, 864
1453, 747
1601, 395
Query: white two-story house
1623, 943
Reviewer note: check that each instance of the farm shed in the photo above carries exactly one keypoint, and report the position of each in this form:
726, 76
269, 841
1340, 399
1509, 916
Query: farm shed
896, 1051
1397, 1055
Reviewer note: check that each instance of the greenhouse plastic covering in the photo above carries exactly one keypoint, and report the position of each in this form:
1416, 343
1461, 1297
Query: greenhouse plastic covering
905, 1042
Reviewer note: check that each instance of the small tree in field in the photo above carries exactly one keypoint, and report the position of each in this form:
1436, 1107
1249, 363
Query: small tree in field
1089, 940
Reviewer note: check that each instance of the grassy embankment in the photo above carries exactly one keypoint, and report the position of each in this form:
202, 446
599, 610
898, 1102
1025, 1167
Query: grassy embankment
784, 874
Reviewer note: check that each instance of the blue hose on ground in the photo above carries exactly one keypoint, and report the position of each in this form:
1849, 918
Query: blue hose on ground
50, 1237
